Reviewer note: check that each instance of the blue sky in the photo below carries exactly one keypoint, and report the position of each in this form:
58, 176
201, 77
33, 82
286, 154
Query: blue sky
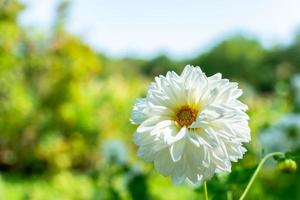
176, 27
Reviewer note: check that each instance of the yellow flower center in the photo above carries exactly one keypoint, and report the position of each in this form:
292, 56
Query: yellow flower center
186, 115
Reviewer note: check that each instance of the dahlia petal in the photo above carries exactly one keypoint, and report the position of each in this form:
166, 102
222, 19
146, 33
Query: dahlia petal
181, 134
154, 122
146, 153
138, 114
215, 77
163, 163
178, 173
193, 175
177, 149
178, 180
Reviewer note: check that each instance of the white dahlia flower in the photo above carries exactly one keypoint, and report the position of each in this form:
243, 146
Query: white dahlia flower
191, 125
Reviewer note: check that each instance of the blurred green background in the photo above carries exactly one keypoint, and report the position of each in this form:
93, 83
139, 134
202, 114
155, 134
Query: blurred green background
65, 109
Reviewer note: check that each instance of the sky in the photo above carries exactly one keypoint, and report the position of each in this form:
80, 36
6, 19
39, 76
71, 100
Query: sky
178, 28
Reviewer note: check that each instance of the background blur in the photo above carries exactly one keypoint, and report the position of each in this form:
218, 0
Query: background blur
70, 71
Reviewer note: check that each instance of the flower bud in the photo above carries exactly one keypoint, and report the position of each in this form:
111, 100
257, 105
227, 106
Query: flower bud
287, 166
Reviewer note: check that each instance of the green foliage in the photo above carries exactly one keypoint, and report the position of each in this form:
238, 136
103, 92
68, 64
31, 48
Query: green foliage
48, 99
154, 67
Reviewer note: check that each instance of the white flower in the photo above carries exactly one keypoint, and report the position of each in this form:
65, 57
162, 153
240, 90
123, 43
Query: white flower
191, 125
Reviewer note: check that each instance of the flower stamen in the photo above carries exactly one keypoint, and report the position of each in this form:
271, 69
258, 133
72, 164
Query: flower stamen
186, 115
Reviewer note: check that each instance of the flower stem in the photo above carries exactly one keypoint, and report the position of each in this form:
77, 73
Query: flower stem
257, 170
205, 191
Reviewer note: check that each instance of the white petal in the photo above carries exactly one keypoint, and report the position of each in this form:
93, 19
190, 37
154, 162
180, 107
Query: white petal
138, 114
178, 173
178, 179
176, 150
163, 163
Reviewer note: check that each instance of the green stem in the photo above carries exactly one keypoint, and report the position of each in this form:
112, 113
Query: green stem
205, 191
257, 170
